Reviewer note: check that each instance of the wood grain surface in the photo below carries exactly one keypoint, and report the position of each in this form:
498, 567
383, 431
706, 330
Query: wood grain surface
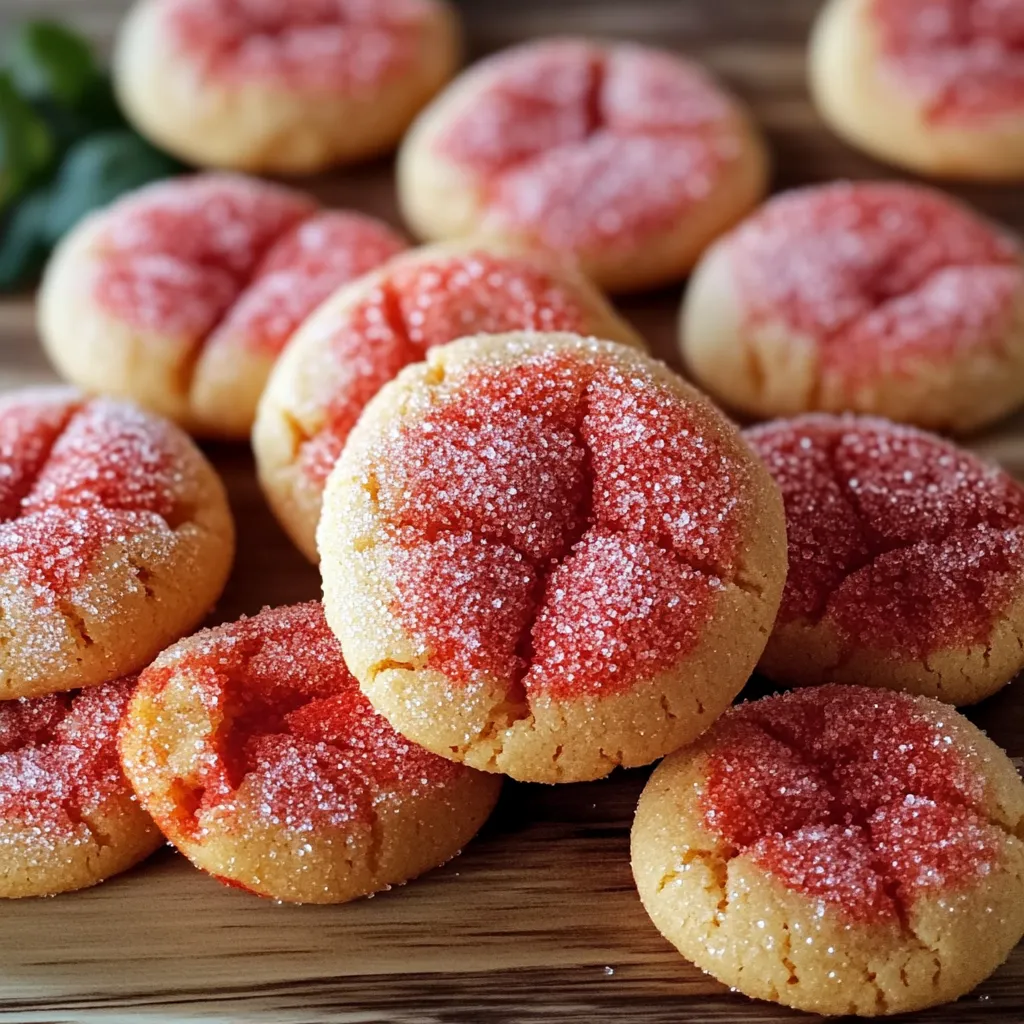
538, 920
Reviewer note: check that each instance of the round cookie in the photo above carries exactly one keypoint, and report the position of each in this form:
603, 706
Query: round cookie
258, 757
68, 817
869, 297
359, 339
115, 538
839, 850
181, 295
282, 86
933, 85
547, 556
627, 158
906, 560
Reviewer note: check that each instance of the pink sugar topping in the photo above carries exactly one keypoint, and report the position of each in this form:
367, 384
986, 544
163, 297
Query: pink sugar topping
297, 743
76, 476
881, 276
904, 542
314, 46
558, 524
420, 305
963, 59
581, 145
58, 758
850, 796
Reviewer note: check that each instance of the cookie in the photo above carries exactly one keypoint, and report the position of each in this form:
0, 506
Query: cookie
181, 295
281, 86
115, 538
547, 556
840, 850
870, 297
627, 158
256, 754
936, 86
906, 560
361, 337
68, 817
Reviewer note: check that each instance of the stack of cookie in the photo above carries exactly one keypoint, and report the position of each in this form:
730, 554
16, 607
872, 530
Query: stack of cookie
544, 554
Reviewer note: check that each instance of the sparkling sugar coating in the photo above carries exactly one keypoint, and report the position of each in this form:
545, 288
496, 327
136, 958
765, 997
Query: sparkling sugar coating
852, 797
76, 475
557, 523
963, 59
316, 46
880, 276
216, 259
276, 730
417, 306
905, 542
58, 759
583, 144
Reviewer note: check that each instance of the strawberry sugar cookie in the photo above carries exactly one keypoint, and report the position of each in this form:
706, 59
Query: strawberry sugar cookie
547, 556
68, 817
258, 757
181, 295
840, 850
281, 86
630, 159
115, 538
359, 339
906, 560
933, 85
866, 297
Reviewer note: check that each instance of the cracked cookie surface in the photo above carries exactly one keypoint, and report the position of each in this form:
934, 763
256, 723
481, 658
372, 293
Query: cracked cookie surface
360, 339
115, 538
841, 850
181, 296
626, 157
547, 556
906, 560
258, 757
68, 818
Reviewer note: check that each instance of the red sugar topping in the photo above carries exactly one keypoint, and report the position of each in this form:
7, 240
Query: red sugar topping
221, 260
558, 524
853, 797
58, 758
880, 276
963, 59
297, 743
584, 145
80, 476
418, 306
330, 46
906, 543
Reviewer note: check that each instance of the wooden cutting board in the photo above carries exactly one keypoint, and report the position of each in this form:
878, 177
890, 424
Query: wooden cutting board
538, 920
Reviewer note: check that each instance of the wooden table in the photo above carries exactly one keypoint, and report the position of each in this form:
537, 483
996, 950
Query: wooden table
538, 920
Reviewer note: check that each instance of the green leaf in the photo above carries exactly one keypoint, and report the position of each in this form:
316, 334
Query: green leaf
24, 241
26, 145
48, 61
97, 170
97, 111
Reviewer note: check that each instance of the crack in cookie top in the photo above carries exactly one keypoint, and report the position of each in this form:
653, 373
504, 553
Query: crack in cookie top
77, 475
901, 540
327, 46
881, 277
220, 260
862, 800
963, 59
584, 144
278, 734
562, 520
415, 306
58, 762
